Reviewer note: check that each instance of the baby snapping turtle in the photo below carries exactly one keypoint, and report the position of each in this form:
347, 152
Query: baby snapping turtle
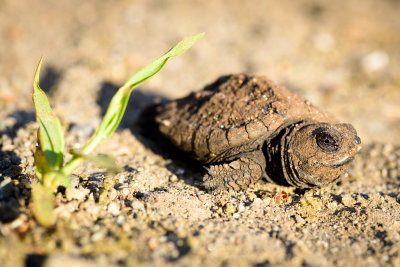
244, 127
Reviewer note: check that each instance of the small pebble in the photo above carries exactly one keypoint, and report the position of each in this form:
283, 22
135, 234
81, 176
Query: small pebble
257, 202
74, 180
6, 189
75, 193
113, 208
241, 207
375, 61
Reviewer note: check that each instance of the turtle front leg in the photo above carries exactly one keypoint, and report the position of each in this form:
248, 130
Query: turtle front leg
237, 174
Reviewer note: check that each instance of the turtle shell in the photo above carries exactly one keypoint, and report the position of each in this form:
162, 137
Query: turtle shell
233, 115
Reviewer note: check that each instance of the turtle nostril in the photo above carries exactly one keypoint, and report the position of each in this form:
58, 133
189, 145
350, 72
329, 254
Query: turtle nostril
357, 140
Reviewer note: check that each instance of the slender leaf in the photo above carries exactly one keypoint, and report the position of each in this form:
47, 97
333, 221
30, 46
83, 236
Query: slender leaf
154, 67
53, 179
61, 179
43, 204
41, 166
100, 160
50, 135
117, 106
119, 102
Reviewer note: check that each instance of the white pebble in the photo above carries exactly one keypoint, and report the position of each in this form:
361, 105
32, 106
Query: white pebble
241, 207
113, 208
375, 61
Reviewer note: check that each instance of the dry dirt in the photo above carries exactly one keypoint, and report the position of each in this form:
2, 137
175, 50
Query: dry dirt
344, 56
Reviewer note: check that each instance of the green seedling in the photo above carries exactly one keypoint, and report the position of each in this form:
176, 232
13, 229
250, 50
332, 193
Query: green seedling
49, 167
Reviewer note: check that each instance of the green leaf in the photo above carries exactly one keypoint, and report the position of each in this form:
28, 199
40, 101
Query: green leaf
41, 166
53, 179
119, 102
154, 67
43, 204
50, 135
100, 160
61, 179
49, 177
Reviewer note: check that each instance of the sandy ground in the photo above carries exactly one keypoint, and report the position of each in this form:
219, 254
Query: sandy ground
342, 55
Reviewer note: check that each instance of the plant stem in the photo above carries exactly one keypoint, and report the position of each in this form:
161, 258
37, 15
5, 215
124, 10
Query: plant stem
117, 106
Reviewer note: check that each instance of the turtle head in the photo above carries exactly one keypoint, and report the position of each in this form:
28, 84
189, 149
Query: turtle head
307, 154
316, 154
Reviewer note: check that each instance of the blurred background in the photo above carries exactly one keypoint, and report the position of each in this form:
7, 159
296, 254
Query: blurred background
343, 55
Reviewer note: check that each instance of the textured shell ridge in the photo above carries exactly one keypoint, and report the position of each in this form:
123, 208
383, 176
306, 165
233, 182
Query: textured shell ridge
232, 113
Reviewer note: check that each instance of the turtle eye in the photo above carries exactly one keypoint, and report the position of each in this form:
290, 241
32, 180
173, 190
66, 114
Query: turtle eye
327, 141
